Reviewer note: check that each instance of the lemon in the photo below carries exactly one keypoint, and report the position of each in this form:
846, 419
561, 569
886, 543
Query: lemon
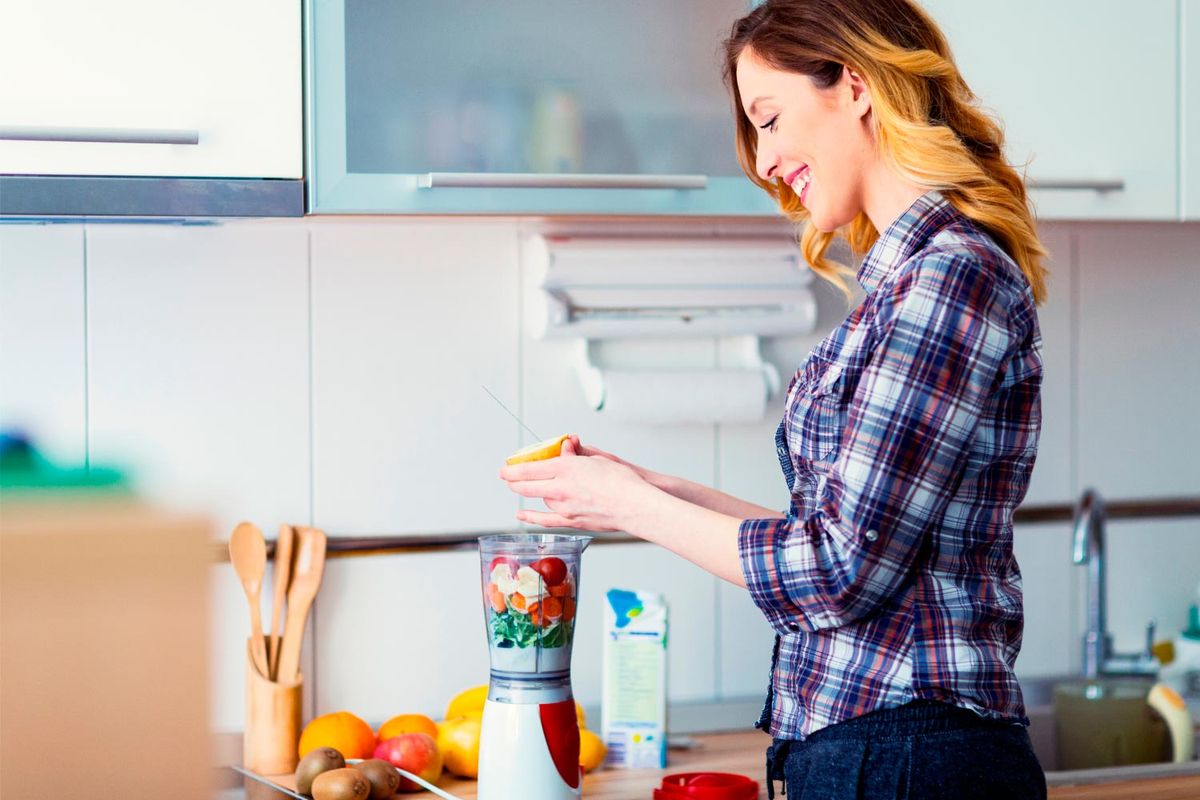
591, 750
468, 702
551, 448
458, 739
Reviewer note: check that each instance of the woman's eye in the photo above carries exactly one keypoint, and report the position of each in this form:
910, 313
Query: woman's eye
770, 124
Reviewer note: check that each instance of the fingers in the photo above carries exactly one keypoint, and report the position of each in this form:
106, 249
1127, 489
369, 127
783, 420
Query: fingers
574, 439
547, 519
570, 447
540, 489
530, 470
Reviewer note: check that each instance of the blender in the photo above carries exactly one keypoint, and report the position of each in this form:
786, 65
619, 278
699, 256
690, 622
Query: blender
529, 744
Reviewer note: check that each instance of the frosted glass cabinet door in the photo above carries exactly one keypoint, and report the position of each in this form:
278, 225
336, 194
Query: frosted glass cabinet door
151, 87
523, 106
1088, 89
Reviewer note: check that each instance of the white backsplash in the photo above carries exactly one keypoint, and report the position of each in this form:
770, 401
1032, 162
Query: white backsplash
327, 371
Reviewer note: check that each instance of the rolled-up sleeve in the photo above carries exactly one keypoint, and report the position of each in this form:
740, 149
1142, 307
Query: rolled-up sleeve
941, 338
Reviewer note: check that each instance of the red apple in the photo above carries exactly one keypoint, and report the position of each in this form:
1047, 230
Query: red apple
415, 752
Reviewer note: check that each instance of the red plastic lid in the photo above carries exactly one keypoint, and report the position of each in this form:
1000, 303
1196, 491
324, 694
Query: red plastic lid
707, 786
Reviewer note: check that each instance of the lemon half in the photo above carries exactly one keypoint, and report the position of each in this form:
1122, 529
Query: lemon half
541, 451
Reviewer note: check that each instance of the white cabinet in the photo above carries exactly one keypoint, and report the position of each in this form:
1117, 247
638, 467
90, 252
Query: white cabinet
224, 75
1087, 89
1191, 110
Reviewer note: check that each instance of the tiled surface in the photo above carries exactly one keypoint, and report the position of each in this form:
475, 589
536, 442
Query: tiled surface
42, 369
410, 320
399, 634
1153, 572
1139, 367
199, 382
1053, 470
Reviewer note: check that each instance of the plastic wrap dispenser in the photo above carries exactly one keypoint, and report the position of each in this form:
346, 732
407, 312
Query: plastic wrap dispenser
738, 289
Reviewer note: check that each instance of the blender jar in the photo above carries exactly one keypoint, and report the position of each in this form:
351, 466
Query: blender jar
530, 591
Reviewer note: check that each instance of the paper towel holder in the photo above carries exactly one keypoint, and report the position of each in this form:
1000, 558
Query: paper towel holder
605, 288
737, 289
591, 377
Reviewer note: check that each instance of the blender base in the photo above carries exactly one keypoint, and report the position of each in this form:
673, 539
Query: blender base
514, 756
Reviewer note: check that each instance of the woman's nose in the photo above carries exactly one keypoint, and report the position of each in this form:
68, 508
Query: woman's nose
768, 164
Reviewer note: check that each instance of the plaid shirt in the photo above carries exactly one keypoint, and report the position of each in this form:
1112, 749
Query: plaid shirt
908, 440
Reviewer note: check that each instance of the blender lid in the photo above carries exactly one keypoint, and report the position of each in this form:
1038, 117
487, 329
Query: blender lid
707, 786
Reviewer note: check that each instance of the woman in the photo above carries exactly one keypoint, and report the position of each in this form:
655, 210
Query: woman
909, 433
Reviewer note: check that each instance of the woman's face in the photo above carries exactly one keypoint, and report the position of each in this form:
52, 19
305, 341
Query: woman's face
818, 140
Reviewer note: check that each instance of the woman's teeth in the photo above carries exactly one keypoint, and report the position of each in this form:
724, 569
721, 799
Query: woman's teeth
801, 183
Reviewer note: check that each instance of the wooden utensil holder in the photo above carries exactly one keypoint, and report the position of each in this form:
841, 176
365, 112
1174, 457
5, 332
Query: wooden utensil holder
272, 735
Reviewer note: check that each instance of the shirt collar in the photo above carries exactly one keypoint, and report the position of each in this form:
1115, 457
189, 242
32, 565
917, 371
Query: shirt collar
928, 214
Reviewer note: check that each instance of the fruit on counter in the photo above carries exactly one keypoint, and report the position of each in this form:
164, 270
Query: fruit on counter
551, 448
340, 730
591, 749
416, 753
384, 779
406, 723
553, 570
341, 784
467, 702
323, 759
458, 740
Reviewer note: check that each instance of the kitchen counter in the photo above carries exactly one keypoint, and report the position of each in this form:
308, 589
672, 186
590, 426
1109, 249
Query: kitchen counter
744, 753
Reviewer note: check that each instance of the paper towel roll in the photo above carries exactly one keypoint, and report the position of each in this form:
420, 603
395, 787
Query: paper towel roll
681, 397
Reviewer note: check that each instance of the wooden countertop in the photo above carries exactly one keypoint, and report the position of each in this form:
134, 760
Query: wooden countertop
745, 753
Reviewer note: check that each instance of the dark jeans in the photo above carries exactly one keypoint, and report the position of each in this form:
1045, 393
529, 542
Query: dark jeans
924, 751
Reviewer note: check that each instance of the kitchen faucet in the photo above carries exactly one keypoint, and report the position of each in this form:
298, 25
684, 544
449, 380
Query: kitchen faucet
1088, 548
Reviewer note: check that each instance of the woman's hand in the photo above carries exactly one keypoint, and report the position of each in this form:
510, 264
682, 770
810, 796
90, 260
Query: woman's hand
584, 488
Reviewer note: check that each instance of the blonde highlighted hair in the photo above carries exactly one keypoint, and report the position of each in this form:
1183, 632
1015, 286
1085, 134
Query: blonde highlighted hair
927, 123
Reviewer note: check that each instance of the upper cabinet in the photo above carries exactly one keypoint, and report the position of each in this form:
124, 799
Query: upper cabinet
523, 107
1191, 111
140, 88
1089, 94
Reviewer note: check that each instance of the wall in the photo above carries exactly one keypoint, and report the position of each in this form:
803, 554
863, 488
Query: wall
327, 371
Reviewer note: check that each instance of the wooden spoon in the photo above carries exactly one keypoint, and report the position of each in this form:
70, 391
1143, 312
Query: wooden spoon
306, 579
248, 552
282, 579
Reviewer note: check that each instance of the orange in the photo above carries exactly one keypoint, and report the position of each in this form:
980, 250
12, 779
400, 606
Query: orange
458, 739
591, 750
340, 730
407, 723
551, 448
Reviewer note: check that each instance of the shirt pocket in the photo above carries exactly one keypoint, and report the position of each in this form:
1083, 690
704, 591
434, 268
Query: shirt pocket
821, 414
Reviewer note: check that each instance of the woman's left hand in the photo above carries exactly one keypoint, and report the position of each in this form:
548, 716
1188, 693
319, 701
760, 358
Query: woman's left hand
590, 493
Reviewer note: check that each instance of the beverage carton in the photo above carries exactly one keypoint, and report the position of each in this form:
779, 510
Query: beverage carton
634, 710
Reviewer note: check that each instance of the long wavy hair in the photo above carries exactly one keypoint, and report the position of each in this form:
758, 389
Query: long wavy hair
927, 123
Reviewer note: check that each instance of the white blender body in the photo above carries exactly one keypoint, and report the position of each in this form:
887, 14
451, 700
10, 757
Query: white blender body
529, 744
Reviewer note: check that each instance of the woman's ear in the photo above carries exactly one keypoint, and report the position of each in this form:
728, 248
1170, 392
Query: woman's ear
859, 95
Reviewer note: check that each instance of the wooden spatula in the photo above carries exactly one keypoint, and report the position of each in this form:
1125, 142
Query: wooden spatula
248, 552
282, 578
307, 568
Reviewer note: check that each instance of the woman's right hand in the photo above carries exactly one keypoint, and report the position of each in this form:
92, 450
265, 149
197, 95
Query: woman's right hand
587, 450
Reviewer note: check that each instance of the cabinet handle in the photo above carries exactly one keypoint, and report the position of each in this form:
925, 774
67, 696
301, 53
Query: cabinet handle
1114, 185
33, 133
536, 180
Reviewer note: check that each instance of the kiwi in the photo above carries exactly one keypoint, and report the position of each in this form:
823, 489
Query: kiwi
323, 759
385, 781
341, 784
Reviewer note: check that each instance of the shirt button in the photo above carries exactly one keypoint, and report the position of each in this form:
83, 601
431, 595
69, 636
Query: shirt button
793, 627
871, 535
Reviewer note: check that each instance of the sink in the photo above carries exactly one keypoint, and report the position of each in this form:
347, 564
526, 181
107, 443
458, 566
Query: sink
1039, 706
